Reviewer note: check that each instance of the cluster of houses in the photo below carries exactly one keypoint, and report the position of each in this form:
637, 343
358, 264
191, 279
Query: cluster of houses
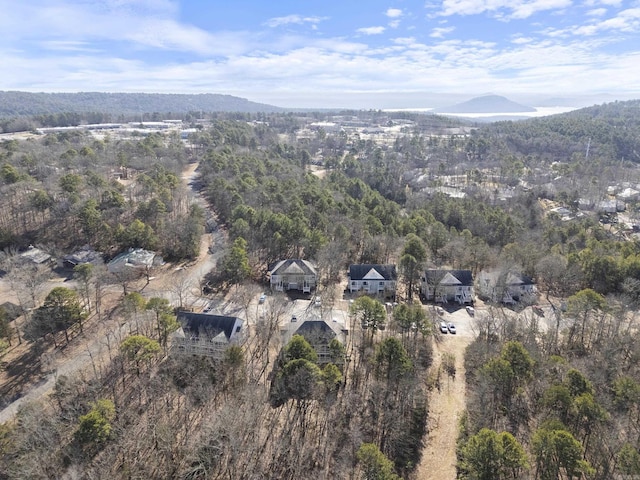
209, 335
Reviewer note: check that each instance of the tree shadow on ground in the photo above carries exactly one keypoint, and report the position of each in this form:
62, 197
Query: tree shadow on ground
21, 373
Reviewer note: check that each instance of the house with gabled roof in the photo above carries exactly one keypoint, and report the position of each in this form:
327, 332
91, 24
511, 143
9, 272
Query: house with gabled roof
84, 255
445, 286
36, 255
293, 274
205, 334
373, 279
506, 287
319, 333
135, 258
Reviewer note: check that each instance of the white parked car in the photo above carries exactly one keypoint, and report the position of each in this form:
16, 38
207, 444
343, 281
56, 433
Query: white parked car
451, 327
471, 311
443, 327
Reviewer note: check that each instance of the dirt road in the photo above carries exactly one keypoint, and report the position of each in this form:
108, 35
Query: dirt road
89, 350
446, 404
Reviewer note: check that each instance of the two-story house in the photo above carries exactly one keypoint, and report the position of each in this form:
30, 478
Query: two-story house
373, 279
205, 334
319, 333
293, 274
506, 287
444, 286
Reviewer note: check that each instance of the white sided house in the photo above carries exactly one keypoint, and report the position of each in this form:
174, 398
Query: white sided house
293, 274
373, 279
205, 335
445, 286
506, 287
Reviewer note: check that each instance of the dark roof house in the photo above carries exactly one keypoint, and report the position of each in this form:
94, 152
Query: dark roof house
444, 286
319, 333
372, 278
205, 334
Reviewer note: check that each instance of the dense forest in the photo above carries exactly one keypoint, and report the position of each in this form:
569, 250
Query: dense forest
27, 109
545, 399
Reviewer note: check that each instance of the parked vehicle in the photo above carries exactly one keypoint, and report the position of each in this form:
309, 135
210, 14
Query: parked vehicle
262, 299
443, 327
451, 327
471, 311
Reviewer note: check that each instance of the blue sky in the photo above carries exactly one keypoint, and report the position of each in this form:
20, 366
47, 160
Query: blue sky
309, 53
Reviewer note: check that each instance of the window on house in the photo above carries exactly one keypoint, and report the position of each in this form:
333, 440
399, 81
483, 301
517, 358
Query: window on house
238, 329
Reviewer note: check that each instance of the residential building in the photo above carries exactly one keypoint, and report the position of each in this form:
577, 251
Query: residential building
444, 286
37, 256
135, 258
205, 334
293, 274
506, 287
319, 333
85, 255
373, 279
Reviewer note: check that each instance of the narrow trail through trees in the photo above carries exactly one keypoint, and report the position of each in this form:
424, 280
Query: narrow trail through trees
445, 408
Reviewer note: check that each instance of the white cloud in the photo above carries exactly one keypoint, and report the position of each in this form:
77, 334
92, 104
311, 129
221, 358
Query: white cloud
86, 56
115, 22
293, 19
336, 66
393, 13
68, 45
440, 32
597, 12
625, 21
519, 40
517, 9
610, 3
371, 30
404, 40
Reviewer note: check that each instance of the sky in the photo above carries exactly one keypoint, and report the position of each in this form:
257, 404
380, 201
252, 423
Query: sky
311, 53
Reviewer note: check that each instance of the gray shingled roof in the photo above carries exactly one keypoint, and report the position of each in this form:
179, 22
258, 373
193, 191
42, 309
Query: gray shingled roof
359, 272
292, 265
195, 323
435, 277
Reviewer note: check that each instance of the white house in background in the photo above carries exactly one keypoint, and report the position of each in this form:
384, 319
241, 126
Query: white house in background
35, 255
205, 334
373, 279
444, 286
506, 287
135, 258
293, 274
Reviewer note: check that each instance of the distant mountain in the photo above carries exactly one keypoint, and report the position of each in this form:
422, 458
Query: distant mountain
15, 104
486, 104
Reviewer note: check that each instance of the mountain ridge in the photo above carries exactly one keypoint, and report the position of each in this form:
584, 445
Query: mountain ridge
19, 103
